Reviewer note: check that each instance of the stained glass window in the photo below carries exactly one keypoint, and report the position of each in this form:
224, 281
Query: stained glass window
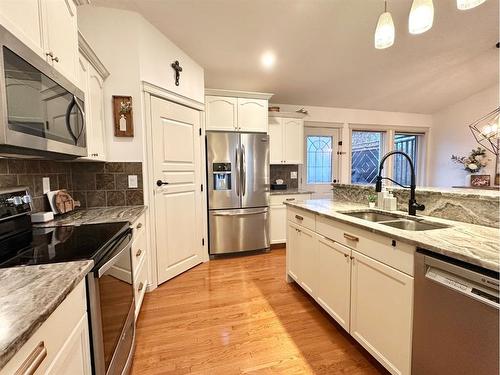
319, 159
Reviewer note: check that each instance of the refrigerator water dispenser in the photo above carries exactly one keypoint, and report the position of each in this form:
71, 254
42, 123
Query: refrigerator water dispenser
222, 176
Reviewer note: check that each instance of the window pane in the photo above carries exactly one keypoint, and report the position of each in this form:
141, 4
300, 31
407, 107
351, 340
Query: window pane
407, 143
319, 159
366, 153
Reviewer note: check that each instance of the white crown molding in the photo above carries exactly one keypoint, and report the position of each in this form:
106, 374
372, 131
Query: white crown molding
286, 114
87, 51
239, 94
172, 96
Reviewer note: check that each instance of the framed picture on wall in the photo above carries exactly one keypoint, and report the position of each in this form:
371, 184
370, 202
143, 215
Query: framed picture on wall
122, 112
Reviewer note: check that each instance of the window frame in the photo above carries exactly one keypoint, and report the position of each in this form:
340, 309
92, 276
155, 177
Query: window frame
332, 172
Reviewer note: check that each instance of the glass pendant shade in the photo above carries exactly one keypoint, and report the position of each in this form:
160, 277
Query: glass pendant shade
421, 16
468, 4
384, 34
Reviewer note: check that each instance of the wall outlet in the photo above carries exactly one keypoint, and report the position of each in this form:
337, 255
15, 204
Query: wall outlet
293, 175
132, 181
45, 184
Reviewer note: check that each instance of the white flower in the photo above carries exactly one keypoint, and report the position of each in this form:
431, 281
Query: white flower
472, 166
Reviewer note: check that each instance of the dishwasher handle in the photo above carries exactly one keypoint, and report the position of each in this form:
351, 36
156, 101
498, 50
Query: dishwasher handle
463, 286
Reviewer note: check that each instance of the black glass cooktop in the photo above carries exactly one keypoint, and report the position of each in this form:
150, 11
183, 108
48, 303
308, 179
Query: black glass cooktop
58, 244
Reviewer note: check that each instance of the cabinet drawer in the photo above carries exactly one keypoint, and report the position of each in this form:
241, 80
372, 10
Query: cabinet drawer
301, 217
139, 225
140, 284
280, 199
53, 333
138, 250
384, 249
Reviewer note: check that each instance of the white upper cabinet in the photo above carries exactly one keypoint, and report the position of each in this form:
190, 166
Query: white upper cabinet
61, 36
221, 113
22, 18
48, 27
91, 76
236, 111
286, 138
252, 115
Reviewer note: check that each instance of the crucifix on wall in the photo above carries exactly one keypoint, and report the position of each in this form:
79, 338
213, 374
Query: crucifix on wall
178, 69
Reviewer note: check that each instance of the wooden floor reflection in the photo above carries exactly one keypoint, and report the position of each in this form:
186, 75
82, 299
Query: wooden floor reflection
239, 316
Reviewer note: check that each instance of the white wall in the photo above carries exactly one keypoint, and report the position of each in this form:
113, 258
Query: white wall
133, 51
451, 135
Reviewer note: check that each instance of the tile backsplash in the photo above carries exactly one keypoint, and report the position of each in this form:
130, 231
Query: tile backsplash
94, 184
279, 171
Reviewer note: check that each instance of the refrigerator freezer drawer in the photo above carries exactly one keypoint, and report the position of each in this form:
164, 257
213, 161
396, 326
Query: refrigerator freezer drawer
238, 230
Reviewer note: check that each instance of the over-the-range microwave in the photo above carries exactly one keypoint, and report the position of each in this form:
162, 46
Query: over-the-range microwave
41, 112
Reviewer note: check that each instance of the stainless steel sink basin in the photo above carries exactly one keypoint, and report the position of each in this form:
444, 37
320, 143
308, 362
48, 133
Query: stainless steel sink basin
412, 225
372, 216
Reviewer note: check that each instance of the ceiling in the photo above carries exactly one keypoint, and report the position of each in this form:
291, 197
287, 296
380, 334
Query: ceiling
324, 49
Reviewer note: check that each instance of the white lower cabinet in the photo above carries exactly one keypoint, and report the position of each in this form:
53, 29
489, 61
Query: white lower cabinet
277, 215
371, 297
60, 346
381, 312
139, 254
334, 273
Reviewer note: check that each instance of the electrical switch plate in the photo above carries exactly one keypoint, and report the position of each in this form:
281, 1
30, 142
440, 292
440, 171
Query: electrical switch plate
132, 181
293, 175
46, 184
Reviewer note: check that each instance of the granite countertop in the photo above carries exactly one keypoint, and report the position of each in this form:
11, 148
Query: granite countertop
475, 244
28, 295
96, 215
290, 191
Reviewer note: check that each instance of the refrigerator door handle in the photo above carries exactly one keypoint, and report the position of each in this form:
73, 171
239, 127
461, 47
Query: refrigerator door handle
243, 170
238, 178
240, 213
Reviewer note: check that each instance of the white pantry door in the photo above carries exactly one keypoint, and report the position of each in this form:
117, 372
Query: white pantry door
178, 207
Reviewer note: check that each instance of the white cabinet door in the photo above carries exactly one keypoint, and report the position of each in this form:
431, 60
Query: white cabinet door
277, 223
292, 251
95, 96
293, 130
74, 356
61, 30
22, 18
275, 140
308, 260
178, 206
381, 312
221, 113
252, 115
334, 285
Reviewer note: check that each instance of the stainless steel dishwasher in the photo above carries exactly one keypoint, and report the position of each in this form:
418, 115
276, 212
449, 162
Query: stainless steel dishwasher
456, 318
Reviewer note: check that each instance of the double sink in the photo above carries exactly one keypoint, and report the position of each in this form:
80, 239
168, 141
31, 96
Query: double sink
396, 221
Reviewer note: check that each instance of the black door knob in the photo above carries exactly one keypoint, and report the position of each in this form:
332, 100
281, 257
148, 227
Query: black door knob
160, 183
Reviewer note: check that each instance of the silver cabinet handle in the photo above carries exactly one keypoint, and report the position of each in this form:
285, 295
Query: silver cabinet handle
141, 285
50, 54
346, 255
139, 226
56, 59
298, 217
351, 237
31, 364
290, 199
138, 253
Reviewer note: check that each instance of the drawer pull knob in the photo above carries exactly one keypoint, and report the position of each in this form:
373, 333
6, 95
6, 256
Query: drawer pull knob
346, 255
36, 357
290, 199
138, 253
139, 226
141, 285
351, 237
298, 217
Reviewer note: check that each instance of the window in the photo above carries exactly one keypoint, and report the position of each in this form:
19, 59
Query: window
366, 151
319, 159
408, 143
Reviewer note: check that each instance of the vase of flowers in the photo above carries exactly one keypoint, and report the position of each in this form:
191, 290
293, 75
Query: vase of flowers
473, 163
372, 198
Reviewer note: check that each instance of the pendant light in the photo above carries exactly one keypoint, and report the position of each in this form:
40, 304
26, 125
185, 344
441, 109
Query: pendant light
421, 16
468, 4
384, 33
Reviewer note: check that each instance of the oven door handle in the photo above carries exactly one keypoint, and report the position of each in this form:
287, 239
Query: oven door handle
106, 266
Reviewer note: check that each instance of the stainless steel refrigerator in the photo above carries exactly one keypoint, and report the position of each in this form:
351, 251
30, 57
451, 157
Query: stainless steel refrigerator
238, 191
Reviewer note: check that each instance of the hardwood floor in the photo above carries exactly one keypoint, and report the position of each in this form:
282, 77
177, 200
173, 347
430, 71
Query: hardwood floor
238, 316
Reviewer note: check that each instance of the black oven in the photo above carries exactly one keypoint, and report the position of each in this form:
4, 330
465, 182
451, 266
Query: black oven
112, 308
41, 112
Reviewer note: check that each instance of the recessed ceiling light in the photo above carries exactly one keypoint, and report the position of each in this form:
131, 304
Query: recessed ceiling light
268, 59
